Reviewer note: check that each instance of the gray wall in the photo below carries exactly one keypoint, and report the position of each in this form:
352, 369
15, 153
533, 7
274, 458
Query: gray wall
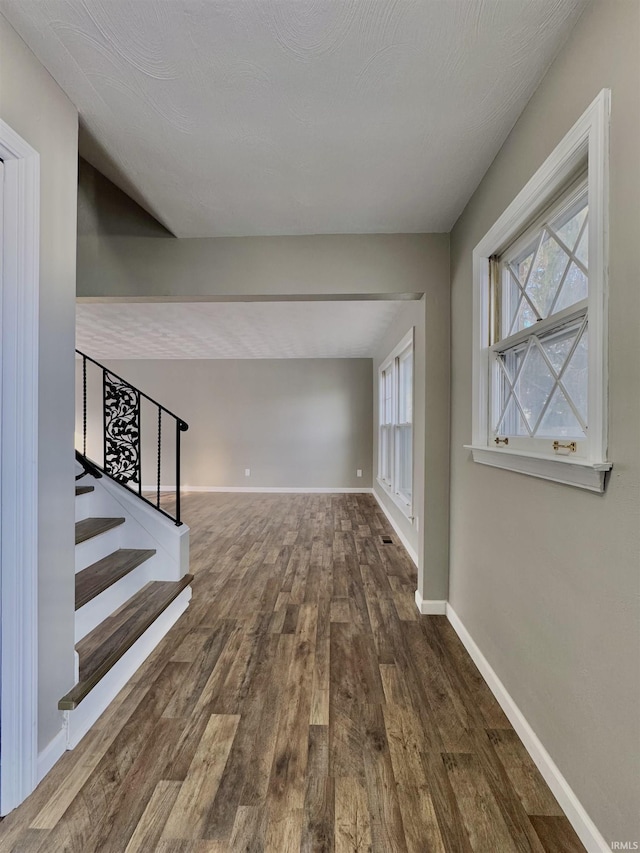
134, 266
293, 422
33, 105
545, 577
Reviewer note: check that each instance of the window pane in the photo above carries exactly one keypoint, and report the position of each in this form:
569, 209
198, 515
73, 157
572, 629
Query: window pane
534, 386
549, 275
569, 225
512, 423
549, 267
387, 415
582, 252
559, 420
404, 461
575, 288
405, 391
537, 390
575, 376
385, 453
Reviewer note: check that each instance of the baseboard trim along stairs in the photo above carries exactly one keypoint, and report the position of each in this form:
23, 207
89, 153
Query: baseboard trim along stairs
131, 587
577, 815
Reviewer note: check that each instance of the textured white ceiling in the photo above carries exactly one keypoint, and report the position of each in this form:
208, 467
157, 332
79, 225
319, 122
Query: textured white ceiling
233, 329
246, 117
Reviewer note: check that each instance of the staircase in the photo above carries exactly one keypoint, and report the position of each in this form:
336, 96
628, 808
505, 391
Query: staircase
131, 562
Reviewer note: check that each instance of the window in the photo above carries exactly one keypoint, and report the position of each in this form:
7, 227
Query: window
540, 318
540, 356
395, 443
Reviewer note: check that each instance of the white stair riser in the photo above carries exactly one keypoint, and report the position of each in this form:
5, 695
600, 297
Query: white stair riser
96, 503
83, 506
103, 605
79, 721
100, 546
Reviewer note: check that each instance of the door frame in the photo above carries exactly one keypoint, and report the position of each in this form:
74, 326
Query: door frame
19, 326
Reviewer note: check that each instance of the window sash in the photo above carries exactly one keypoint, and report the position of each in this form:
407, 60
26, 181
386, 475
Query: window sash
506, 390
404, 457
395, 451
573, 199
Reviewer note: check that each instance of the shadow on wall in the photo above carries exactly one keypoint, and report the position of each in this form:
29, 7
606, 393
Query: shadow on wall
105, 209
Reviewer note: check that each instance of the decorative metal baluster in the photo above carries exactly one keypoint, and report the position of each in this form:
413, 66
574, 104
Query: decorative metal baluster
159, 454
104, 421
121, 429
178, 427
140, 450
84, 405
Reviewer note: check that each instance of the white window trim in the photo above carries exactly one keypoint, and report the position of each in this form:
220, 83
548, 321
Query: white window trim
587, 141
406, 507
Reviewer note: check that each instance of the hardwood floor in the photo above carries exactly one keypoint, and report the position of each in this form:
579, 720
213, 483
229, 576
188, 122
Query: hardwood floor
301, 704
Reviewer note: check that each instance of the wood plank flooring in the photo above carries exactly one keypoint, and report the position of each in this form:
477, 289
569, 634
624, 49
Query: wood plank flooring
99, 576
301, 704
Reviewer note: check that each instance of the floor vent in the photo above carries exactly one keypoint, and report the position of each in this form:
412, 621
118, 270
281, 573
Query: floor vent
387, 540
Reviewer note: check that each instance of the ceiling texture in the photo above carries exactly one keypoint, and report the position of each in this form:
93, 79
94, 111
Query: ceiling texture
233, 329
258, 117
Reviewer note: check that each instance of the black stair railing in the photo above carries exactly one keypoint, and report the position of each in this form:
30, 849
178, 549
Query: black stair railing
113, 429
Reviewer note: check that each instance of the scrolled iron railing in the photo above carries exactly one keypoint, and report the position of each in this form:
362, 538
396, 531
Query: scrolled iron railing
120, 427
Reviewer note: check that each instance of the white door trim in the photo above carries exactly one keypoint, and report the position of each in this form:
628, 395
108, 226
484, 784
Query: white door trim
19, 294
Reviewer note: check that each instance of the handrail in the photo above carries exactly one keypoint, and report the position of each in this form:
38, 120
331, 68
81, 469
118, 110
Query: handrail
121, 421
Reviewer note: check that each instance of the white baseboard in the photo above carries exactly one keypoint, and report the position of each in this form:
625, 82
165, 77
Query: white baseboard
430, 607
54, 750
575, 812
407, 545
79, 721
303, 490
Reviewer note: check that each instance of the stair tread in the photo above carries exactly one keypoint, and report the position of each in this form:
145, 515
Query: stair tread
83, 490
103, 647
99, 576
90, 527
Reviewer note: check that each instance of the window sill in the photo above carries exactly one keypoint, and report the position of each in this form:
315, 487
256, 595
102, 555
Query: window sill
404, 507
572, 472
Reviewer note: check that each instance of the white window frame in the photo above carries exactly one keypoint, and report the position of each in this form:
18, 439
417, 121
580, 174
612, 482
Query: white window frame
392, 363
586, 145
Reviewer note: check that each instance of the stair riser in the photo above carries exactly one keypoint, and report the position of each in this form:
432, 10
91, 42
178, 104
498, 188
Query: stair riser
103, 605
79, 721
100, 546
84, 504
96, 503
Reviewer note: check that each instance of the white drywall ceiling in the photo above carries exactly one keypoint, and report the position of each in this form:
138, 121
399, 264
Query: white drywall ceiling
233, 329
247, 117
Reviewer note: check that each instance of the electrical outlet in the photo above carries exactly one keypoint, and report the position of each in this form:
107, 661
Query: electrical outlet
247, 472
358, 472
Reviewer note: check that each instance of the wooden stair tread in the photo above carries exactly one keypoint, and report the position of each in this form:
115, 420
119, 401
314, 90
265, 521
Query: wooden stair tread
90, 527
99, 576
103, 647
83, 490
